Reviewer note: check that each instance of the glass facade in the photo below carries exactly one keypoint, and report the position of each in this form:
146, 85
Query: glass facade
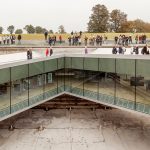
121, 82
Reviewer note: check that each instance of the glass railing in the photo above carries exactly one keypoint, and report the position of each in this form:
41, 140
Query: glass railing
19, 106
108, 99
143, 108
33, 100
4, 112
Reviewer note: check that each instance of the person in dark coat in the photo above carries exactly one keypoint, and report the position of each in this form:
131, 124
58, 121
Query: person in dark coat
19, 39
136, 50
51, 51
46, 34
50, 40
69, 39
114, 50
145, 50
120, 50
29, 54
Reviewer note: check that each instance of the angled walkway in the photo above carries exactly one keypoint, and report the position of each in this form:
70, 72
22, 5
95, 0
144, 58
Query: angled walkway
120, 81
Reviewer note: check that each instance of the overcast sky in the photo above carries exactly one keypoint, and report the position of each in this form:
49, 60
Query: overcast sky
73, 14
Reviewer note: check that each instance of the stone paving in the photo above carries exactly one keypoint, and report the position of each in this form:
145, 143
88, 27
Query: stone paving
76, 129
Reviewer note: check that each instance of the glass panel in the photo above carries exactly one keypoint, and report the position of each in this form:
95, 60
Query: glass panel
51, 65
19, 88
77, 80
143, 86
107, 65
4, 92
91, 84
36, 82
78, 76
61, 63
68, 74
77, 63
107, 80
4, 75
107, 87
91, 64
125, 83
19, 72
36, 68
61, 80
50, 85
68, 62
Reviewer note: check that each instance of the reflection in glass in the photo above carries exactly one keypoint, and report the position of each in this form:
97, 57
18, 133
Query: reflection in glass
91, 84
107, 87
50, 84
19, 94
143, 86
77, 82
4, 99
36, 88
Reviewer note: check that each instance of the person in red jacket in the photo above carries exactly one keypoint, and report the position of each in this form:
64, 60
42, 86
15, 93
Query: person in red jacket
47, 52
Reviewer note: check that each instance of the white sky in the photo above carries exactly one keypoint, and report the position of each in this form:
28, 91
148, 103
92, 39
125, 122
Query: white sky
73, 14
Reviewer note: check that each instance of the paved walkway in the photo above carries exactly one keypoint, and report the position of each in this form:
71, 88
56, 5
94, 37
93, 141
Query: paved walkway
79, 129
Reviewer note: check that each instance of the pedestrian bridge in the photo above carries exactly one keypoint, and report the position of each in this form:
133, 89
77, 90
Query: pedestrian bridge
119, 81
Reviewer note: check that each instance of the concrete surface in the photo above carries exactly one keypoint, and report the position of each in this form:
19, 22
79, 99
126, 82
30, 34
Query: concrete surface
78, 129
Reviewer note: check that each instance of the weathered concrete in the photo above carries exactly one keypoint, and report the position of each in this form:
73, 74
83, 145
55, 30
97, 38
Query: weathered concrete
78, 129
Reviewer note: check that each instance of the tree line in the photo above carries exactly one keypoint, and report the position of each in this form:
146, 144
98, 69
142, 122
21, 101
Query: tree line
101, 20
30, 29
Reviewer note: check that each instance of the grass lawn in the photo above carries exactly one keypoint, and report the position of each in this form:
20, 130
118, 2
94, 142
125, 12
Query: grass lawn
65, 36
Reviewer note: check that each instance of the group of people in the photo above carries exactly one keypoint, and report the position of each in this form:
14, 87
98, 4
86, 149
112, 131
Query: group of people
134, 50
9, 39
51, 40
141, 39
123, 40
126, 40
98, 40
48, 52
75, 40
119, 50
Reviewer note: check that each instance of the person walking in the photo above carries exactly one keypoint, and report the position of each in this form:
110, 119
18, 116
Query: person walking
54, 40
45, 35
51, 51
145, 50
29, 54
0, 40
79, 40
19, 39
60, 39
8, 39
47, 52
50, 40
86, 40
114, 50
4, 39
69, 40
86, 50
